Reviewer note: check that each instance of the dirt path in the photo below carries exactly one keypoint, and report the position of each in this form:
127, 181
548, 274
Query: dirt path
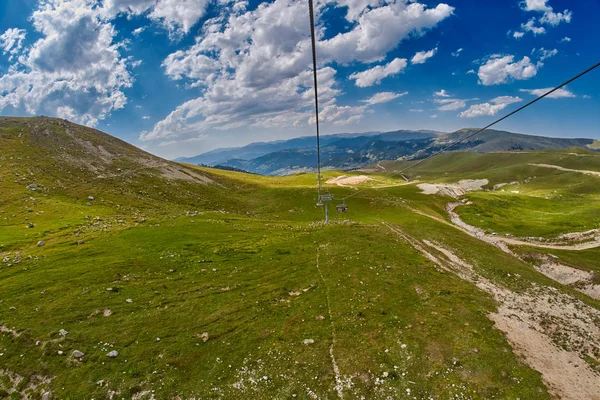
581, 171
502, 242
552, 340
339, 386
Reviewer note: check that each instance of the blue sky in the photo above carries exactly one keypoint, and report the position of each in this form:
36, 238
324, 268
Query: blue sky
180, 77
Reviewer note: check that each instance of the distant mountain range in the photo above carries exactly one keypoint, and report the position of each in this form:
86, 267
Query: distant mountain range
351, 151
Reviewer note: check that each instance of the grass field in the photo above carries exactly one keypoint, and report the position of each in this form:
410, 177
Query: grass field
235, 289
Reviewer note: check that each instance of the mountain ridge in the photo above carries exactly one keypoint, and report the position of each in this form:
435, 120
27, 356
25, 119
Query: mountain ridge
352, 151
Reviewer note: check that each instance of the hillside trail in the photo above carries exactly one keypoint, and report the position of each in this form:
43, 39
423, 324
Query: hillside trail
557, 350
563, 242
501, 241
339, 386
581, 171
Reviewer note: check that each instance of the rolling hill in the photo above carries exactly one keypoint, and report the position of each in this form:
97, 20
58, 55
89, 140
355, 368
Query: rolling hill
123, 275
359, 150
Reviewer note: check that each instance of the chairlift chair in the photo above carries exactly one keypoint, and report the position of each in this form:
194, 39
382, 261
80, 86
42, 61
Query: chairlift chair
341, 207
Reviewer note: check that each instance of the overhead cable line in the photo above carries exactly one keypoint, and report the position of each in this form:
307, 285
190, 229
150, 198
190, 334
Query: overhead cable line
314, 62
451, 145
323, 198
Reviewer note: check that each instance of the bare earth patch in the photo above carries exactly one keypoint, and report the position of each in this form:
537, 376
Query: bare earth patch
349, 180
580, 280
552, 331
453, 189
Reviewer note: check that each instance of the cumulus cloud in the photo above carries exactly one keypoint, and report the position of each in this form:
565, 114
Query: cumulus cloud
447, 101
374, 75
380, 28
252, 67
566, 39
11, 41
383, 97
518, 35
500, 69
421, 56
558, 94
490, 108
548, 17
74, 70
529, 26
178, 16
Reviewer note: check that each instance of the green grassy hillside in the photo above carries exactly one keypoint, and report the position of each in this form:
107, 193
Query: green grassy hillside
219, 284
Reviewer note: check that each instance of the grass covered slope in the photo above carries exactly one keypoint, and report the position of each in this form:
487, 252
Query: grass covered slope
223, 285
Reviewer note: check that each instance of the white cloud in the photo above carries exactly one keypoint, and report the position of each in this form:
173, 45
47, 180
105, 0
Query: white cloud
11, 41
376, 74
416, 110
558, 94
530, 27
566, 39
490, 108
383, 97
433, 116
548, 17
450, 104
500, 69
421, 56
138, 31
441, 93
544, 54
535, 5
178, 16
379, 29
74, 70
518, 35
471, 71
457, 52
146, 117
252, 67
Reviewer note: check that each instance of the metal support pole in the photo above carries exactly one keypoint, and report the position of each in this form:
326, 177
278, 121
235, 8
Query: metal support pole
326, 211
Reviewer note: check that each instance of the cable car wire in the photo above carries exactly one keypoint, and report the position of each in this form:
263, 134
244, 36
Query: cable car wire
451, 145
314, 62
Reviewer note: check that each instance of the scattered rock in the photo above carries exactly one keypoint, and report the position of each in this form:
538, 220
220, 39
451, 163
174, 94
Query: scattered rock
80, 242
308, 341
158, 339
78, 354
46, 396
30, 225
90, 197
320, 318
204, 336
107, 313
33, 187
63, 332
113, 354
60, 352
129, 301
41, 243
